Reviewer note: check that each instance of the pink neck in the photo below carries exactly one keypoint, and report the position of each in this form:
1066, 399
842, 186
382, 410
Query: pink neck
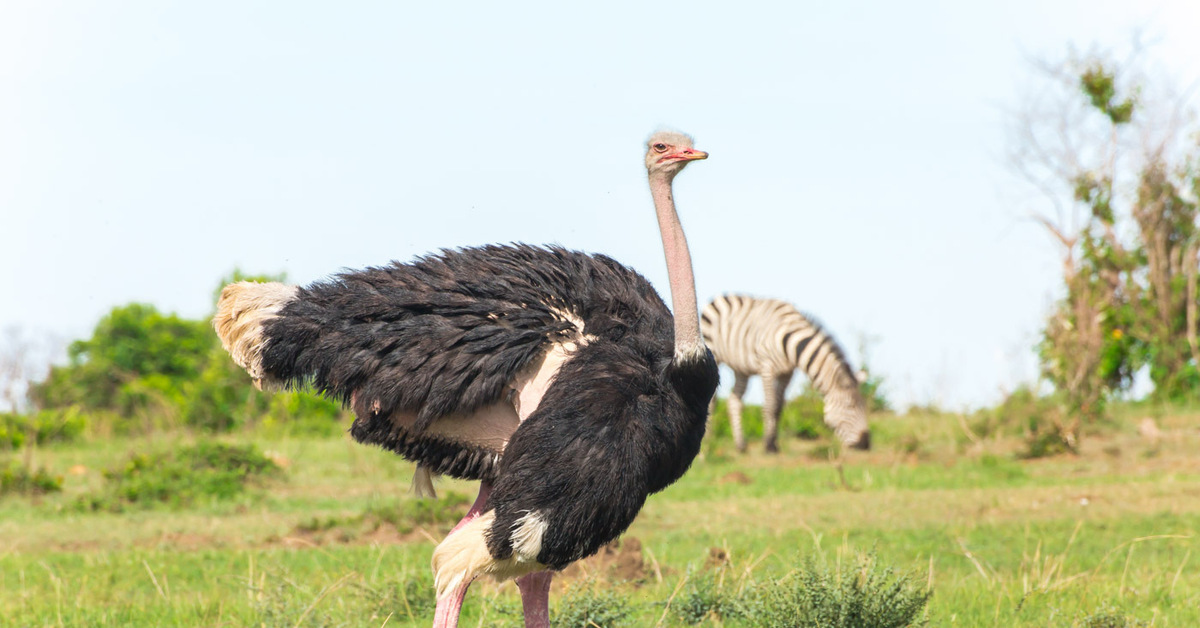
679, 268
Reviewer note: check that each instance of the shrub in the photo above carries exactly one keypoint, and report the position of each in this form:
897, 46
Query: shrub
590, 606
1038, 420
46, 426
180, 478
17, 479
865, 596
804, 416
707, 595
1108, 617
404, 515
409, 596
407, 514
1011, 416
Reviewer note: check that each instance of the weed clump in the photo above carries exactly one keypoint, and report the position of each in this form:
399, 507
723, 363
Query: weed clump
1038, 420
16, 479
41, 428
708, 595
867, 595
590, 606
1108, 617
404, 515
180, 478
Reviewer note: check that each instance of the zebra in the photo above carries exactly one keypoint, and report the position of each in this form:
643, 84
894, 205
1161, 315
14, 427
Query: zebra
772, 339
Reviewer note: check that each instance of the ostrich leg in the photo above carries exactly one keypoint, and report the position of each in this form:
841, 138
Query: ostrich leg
535, 598
449, 606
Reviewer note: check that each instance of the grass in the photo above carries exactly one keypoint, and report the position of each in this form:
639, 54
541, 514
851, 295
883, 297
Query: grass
1101, 539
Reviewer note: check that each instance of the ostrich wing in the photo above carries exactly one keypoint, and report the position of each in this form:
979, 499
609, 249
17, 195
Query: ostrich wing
434, 355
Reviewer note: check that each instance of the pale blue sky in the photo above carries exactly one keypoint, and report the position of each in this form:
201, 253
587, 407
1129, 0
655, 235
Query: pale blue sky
857, 169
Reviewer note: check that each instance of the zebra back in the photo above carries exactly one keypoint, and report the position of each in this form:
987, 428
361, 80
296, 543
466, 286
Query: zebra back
756, 336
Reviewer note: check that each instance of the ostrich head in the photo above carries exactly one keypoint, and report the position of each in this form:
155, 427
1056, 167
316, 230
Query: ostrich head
667, 152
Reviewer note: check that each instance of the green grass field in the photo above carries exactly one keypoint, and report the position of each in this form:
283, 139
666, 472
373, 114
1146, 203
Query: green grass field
1001, 541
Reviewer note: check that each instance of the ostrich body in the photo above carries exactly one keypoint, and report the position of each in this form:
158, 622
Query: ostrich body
558, 379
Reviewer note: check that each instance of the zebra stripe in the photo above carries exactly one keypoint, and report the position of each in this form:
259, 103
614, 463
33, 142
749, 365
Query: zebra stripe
772, 339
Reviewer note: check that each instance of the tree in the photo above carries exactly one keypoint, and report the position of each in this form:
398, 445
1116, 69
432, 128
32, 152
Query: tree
1116, 168
147, 369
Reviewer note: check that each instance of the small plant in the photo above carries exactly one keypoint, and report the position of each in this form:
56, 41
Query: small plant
180, 478
912, 446
1047, 438
404, 515
707, 595
47, 426
865, 595
410, 596
826, 451
804, 416
1108, 617
407, 514
16, 479
590, 606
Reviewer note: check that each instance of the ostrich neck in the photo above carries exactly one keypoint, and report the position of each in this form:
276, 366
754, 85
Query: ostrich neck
679, 269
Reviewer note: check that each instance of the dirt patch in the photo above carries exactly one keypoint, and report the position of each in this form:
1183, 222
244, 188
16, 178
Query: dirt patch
185, 541
620, 560
717, 557
735, 477
365, 534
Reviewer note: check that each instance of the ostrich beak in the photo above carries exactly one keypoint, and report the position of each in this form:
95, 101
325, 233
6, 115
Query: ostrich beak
688, 154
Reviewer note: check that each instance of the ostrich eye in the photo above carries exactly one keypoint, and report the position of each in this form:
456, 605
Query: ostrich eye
660, 147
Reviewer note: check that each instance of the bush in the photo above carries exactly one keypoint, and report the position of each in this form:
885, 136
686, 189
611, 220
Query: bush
707, 595
1109, 617
409, 596
405, 516
180, 478
589, 606
804, 416
865, 596
16, 479
1011, 416
142, 370
47, 426
1039, 421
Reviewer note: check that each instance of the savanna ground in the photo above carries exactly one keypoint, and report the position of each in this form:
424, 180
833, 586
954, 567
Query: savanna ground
1002, 541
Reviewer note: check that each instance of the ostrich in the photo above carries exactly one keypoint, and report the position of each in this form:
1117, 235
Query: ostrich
558, 379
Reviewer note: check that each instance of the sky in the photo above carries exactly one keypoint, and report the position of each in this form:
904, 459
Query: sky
857, 149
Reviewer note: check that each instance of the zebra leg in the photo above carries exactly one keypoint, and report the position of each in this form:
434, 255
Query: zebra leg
774, 387
735, 410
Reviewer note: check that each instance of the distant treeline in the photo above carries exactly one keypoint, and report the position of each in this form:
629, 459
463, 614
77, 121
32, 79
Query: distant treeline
143, 370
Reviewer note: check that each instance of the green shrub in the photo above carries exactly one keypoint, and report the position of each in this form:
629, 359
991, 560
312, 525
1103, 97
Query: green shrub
707, 595
408, 597
182, 477
590, 606
46, 426
1108, 617
865, 595
302, 413
404, 515
804, 416
407, 514
16, 479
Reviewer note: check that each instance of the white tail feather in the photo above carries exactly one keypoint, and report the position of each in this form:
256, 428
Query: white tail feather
422, 482
463, 556
241, 312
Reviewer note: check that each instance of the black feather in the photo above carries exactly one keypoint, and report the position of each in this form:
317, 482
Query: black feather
448, 333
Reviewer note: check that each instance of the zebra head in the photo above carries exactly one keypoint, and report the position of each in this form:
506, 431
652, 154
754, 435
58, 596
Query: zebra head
846, 415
